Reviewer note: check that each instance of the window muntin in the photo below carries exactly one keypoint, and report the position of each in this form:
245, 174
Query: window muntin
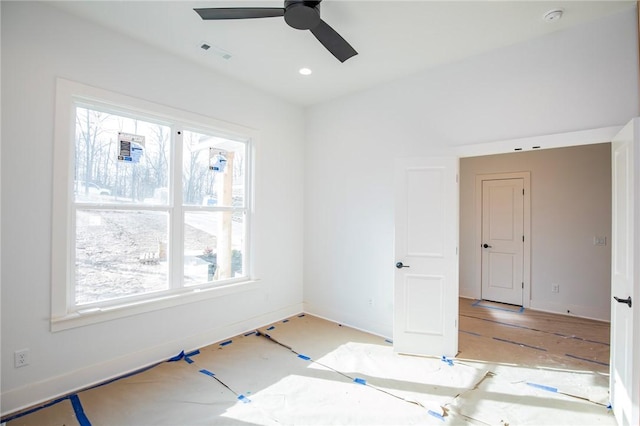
132, 239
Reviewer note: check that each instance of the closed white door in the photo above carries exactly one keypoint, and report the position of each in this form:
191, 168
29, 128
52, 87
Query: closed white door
625, 339
503, 240
426, 269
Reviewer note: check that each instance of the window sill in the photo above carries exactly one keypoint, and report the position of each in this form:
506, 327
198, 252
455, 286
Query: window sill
97, 315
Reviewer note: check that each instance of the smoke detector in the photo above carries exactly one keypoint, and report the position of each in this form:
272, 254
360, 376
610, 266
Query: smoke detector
553, 15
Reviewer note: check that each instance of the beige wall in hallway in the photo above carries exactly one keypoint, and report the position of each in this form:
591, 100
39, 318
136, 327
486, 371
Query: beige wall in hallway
570, 205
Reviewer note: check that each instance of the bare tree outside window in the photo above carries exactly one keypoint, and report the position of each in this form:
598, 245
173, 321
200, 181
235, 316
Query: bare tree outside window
123, 214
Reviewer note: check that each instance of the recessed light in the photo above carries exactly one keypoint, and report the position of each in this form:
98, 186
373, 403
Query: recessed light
553, 15
305, 71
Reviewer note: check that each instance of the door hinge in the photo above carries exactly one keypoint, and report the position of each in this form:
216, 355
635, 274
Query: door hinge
523, 285
523, 192
523, 238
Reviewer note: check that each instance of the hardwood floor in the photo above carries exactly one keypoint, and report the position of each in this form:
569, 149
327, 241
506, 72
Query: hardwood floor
493, 332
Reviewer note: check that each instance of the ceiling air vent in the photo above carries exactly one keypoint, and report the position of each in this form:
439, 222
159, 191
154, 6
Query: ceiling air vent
210, 48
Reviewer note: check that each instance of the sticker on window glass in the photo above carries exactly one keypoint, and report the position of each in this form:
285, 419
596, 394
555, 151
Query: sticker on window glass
131, 147
217, 160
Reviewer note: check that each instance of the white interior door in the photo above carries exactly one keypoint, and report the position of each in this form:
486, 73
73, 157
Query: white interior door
625, 340
426, 241
503, 240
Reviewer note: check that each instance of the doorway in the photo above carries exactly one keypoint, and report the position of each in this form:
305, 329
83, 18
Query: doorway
503, 216
567, 203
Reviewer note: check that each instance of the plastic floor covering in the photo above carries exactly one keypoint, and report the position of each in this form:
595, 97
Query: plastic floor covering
515, 367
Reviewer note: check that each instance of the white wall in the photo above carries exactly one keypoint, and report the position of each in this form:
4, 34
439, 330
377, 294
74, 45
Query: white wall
40, 43
570, 205
577, 79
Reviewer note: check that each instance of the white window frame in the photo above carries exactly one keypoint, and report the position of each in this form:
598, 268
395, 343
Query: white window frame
64, 313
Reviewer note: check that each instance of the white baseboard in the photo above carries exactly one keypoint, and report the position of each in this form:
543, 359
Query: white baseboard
587, 312
331, 316
37, 393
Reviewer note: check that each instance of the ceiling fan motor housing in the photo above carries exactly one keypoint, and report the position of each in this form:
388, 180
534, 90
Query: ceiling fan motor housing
302, 15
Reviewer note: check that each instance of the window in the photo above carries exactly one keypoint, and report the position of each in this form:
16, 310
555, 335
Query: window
156, 206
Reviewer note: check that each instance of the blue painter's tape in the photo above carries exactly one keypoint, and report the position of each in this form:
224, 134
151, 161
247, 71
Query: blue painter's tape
33, 410
228, 342
609, 407
177, 357
194, 353
300, 316
244, 399
306, 358
271, 328
447, 360
436, 415
510, 325
543, 387
207, 372
188, 360
471, 332
79, 411
250, 333
476, 303
519, 344
285, 320
360, 381
389, 341
587, 360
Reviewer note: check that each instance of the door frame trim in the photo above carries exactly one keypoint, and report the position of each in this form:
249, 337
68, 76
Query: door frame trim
526, 261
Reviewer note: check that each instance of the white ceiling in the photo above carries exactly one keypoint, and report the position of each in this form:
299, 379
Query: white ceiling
393, 38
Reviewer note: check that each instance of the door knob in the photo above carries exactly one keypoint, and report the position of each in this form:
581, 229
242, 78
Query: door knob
485, 245
399, 265
627, 300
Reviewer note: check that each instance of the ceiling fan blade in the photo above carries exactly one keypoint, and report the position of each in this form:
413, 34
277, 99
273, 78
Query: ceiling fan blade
333, 41
239, 12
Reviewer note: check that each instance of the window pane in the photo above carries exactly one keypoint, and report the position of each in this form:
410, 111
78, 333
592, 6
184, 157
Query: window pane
103, 174
119, 254
213, 171
213, 246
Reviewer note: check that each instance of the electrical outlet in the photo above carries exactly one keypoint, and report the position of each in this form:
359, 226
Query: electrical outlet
21, 358
555, 288
599, 240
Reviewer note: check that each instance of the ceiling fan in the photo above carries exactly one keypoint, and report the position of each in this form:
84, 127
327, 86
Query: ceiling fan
302, 15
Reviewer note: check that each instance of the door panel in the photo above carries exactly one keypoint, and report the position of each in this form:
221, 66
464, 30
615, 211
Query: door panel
424, 219
502, 233
426, 239
501, 270
625, 239
423, 293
